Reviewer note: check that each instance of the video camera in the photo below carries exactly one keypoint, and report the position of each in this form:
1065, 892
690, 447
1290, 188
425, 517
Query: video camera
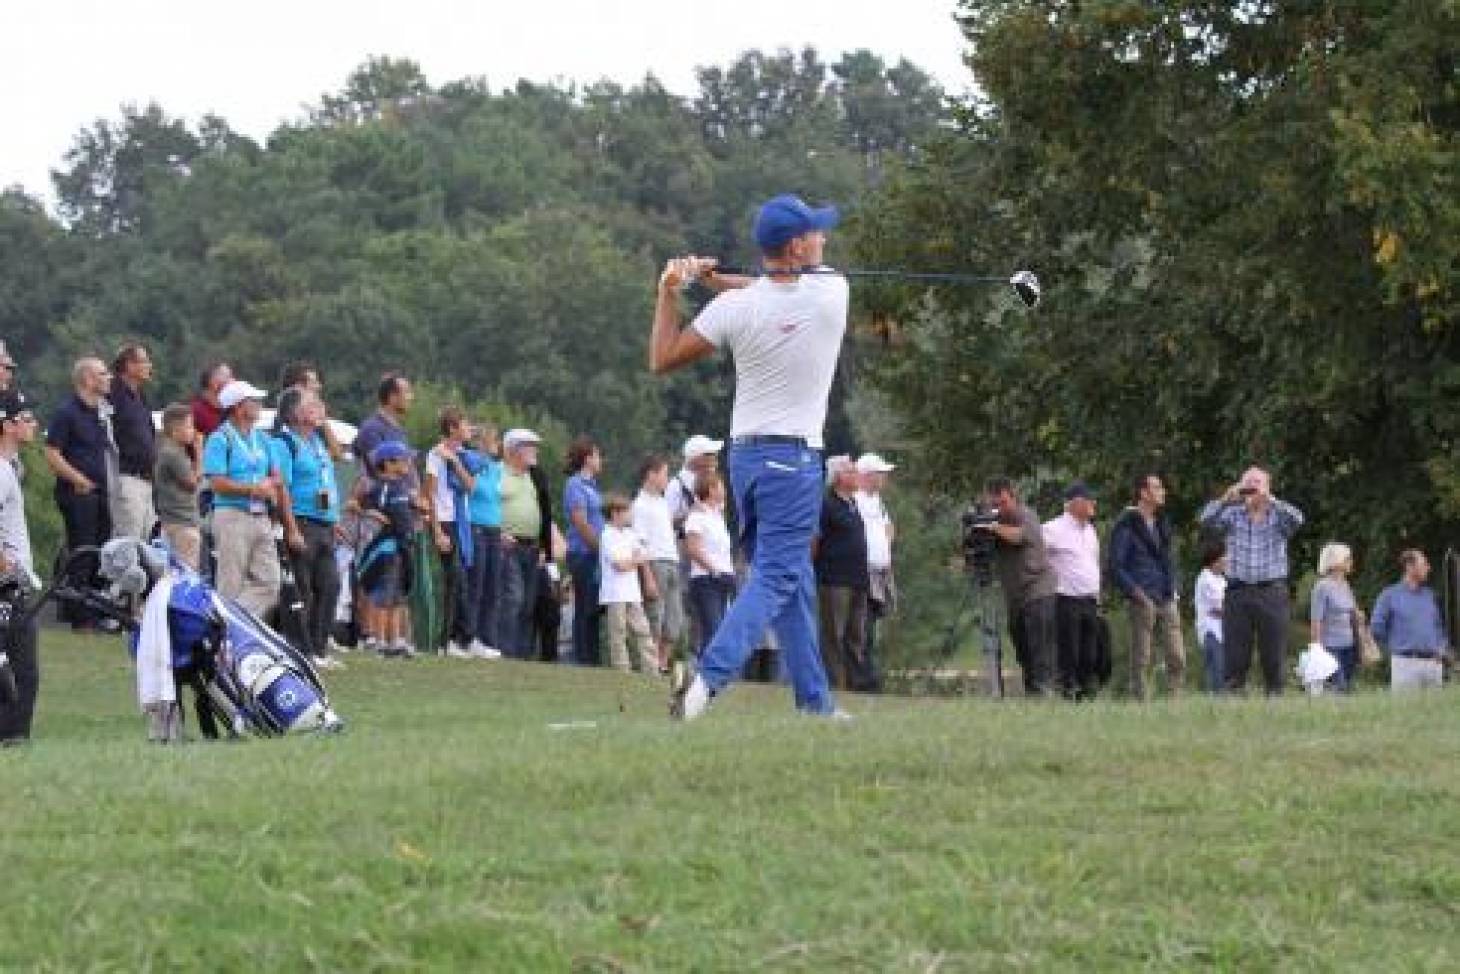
979, 544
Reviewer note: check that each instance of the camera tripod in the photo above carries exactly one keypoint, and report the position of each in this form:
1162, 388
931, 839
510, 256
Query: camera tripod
981, 610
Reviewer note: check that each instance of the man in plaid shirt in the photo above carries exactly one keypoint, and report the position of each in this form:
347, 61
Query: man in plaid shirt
1256, 526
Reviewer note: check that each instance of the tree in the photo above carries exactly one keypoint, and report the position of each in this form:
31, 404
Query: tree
1246, 219
112, 169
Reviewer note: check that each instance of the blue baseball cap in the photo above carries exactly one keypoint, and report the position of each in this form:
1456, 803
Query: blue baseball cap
787, 217
1079, 490
390, 450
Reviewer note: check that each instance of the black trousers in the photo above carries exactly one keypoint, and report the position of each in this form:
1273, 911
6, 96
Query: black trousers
192, 676
15, 718
1034, 631
318, 577
88, 521
1077, 623
1261, 610
454, 573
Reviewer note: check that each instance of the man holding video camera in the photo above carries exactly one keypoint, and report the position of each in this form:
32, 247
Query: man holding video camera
1028, 582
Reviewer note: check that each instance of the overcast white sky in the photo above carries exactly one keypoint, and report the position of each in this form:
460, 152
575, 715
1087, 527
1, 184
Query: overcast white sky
66, 63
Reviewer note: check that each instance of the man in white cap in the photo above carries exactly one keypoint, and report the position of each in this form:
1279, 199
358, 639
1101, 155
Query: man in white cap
872, 473
526, 540
246, 492
701, 455
840, 557
785, 331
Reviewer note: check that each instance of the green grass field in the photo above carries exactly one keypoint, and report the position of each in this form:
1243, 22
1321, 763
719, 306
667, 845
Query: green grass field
452, 829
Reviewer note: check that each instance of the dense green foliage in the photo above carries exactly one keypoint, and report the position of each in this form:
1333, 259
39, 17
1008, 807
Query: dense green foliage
504, 243
1247, 218
452, 828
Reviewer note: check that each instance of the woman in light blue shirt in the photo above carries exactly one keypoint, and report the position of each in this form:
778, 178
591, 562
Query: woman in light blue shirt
484, 511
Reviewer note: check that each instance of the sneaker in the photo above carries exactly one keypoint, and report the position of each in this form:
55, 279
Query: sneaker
481, 650
109, 626
692, 700
326, 663
397, 650
338, 648
457, 651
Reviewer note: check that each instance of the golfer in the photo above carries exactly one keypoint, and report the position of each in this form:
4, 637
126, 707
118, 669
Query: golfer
785, 332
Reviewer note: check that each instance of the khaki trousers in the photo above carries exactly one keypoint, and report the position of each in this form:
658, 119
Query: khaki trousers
186, 542
131, 508
625, 620
248, 561
1147, 620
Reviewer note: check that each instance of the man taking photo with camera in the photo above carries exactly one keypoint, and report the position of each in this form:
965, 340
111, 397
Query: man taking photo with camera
1028, 582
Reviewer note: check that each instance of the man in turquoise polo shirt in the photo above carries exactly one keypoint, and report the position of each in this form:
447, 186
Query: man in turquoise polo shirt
240, 469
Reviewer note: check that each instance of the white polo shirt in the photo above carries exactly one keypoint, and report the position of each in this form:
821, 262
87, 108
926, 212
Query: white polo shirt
1073, 548
14, 533
653, 523
785, 338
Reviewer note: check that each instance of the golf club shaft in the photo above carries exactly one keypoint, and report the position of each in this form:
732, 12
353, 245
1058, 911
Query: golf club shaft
934, 276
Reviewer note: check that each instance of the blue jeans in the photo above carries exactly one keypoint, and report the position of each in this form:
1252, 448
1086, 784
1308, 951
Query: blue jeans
519, 600
778, 490
482, 584
1213, 664
583, 566
709, 598
1348, 661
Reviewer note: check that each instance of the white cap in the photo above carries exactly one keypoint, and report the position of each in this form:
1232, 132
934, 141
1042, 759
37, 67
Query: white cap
514, 438
237, 391
837, 464
872, 463
700, 445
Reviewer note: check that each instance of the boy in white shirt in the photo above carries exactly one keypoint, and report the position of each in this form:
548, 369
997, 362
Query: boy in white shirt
712, 566
654, 523
621, 552
1211, 589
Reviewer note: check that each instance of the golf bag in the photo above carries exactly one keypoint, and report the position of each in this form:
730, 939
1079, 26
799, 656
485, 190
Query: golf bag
15, 593
254, 681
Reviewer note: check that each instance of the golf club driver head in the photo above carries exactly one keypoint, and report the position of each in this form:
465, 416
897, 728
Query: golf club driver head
1026, 286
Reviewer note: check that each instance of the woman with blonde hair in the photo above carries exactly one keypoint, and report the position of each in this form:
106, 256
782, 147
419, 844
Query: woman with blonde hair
1333, 612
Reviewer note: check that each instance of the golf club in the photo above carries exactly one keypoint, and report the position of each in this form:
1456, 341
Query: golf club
1024, 283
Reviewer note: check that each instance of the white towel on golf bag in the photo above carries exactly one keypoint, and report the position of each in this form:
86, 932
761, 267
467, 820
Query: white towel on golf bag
154, 648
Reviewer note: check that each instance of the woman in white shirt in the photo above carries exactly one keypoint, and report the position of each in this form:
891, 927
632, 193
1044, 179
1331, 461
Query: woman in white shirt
712, 570
1211, 589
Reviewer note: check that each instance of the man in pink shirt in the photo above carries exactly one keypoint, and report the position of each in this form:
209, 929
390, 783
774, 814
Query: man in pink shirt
1074, 554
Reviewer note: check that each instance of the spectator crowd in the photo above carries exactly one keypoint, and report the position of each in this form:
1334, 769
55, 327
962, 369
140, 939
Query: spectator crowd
630, 580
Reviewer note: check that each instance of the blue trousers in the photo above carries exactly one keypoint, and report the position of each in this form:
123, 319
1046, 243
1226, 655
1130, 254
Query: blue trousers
709, 598
777, 490
518, 600
1213, 664
483, 585
583, 567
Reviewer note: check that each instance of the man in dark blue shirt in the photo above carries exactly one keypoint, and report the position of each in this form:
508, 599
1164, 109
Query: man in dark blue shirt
841, 575
78, 444
1144, 565
132, 510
